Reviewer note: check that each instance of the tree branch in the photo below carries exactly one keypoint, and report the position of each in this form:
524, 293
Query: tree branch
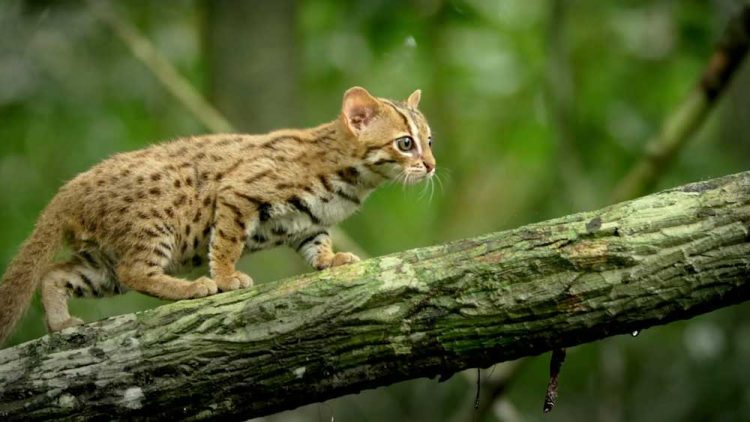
659, 152
421, 313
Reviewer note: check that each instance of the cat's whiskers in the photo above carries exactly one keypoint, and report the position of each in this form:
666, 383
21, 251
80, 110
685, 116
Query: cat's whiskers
407, 180
411, 179
401, 178
425, 191
447, 173
439, 183
431, 182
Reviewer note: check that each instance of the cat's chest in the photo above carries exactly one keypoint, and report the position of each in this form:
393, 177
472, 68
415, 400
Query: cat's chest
298, 218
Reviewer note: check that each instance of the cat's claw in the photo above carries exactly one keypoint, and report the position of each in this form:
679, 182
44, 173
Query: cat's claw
238, 280
343, 258
70, 322
202, 287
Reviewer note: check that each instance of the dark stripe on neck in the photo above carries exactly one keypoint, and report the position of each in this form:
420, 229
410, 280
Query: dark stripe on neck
349, 175
348, 197
375, 170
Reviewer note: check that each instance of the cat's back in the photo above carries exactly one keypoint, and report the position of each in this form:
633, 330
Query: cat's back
184, 161
166, 182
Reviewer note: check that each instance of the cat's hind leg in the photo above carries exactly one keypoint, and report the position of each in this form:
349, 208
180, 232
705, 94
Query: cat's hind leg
72, 279
149, 277
143, 266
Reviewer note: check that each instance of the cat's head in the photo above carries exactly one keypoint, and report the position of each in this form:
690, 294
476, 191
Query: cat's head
394, 138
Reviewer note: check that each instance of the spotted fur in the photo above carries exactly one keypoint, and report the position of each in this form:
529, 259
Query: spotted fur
137, 218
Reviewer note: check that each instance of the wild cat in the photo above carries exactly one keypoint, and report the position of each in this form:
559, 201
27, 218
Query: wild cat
138, 217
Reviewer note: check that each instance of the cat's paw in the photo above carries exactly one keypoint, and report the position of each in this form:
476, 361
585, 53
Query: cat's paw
238, 280
70, 322
202, 287
343, 258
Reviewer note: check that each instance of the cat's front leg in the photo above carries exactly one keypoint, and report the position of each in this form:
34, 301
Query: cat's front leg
317, 249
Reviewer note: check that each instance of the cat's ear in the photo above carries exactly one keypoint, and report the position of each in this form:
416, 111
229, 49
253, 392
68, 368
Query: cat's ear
359, 109
414, 98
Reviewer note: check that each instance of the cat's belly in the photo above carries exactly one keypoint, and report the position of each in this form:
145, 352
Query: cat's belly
284, 230
291, 224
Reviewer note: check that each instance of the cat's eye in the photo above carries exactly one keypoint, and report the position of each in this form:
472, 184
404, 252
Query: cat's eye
405, 143
429, 141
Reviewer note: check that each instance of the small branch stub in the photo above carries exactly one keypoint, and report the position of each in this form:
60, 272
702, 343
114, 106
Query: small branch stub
479, 389
556, 361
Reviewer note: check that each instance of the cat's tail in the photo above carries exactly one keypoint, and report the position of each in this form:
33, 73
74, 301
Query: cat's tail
27, 268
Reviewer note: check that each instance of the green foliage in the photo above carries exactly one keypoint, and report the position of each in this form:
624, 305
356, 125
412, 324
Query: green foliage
71, 94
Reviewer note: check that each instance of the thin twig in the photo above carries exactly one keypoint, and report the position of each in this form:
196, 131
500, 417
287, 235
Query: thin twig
689, 116
183, 90
494, 387
162, 69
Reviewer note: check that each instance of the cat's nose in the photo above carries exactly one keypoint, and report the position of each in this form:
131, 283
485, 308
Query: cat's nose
428, 166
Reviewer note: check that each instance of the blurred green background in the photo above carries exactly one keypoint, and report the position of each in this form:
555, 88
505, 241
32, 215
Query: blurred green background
538, 109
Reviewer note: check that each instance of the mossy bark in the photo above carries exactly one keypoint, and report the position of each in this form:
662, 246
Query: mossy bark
420, 313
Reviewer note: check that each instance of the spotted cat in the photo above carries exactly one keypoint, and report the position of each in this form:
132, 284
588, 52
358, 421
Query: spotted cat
138, 217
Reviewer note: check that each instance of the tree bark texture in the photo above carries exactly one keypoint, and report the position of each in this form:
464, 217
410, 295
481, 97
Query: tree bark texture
421, 313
